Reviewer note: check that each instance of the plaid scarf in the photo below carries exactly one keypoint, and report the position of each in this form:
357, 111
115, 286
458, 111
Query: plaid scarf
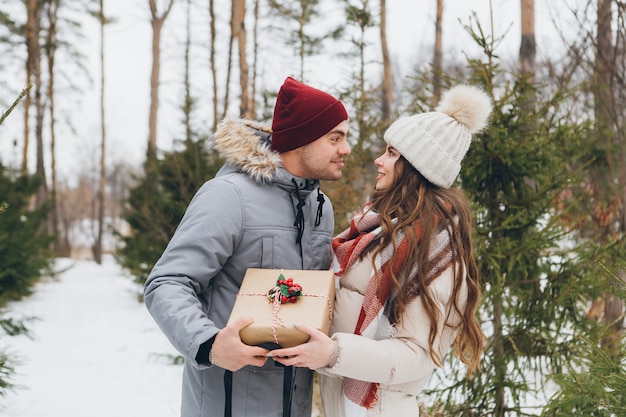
347, 248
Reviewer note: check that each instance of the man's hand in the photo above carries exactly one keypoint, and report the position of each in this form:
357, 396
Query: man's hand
314, 354
229, 352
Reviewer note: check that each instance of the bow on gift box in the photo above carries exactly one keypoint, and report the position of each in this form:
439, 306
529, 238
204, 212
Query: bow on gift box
285, 291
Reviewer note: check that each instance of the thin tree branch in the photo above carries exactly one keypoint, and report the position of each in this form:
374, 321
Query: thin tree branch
21, 96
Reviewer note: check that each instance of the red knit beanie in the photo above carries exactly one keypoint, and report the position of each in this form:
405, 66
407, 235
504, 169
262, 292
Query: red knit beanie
303, 114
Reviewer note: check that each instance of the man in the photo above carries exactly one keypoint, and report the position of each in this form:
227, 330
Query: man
264, 209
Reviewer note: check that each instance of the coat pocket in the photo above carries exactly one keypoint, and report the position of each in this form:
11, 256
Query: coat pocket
267, 253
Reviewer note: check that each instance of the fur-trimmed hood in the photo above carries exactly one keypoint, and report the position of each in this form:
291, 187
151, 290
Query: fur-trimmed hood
245, 144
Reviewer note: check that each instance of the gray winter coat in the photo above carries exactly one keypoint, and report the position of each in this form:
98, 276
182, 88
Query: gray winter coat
243, 218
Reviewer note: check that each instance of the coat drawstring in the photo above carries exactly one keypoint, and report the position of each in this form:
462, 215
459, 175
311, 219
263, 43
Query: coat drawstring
320, 203
299, 223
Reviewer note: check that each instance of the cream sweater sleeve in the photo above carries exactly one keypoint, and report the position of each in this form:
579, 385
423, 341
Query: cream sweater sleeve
404, 357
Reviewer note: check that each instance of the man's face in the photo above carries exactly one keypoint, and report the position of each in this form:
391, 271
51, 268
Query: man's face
323, 158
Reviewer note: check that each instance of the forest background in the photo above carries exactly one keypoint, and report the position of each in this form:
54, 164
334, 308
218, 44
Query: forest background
547, 178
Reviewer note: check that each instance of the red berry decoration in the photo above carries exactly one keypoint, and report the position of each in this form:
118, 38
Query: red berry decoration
286, 289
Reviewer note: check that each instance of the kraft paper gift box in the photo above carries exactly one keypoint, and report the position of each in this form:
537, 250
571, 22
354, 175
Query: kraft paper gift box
274, 323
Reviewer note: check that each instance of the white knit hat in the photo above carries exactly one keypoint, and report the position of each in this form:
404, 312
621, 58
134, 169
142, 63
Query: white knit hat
436, 142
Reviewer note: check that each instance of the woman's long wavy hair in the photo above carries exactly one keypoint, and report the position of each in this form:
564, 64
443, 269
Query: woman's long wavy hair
415, 201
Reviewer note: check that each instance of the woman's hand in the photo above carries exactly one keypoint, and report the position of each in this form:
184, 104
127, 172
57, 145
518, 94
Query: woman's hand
314, 354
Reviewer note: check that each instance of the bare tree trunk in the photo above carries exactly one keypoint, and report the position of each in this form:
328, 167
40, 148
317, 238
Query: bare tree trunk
528, 52
254, 60
438, 54
498, 351
33, 29
239, 29
31, 38
42, 193
154, 89
605, 115
41, 196
620, 122
528, 47
27, 104
188, 101
157, 25
97, 247
229, 66
387, 72
61, 243
302, 43
212, 63
64, 225
602, 72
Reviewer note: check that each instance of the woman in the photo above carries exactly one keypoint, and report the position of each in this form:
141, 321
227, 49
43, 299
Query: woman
408, 283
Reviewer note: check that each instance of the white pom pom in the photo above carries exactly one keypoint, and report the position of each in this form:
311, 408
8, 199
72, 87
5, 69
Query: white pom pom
467, 104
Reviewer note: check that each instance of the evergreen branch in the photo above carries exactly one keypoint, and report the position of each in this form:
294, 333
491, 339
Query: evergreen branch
21, 96
612, 274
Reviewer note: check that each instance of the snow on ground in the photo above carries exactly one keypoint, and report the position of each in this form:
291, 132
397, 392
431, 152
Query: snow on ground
93, 351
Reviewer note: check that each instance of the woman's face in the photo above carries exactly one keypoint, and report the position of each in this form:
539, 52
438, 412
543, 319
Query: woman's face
386, 169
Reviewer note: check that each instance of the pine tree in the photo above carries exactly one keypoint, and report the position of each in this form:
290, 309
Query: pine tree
594, 385
6, 368
536, 278
299, 18
158, 202
154, 216
9, 325
593, 382
24, 254
24, 241
367, 126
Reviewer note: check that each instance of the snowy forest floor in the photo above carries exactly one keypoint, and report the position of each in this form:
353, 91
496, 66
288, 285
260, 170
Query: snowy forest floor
93, 349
